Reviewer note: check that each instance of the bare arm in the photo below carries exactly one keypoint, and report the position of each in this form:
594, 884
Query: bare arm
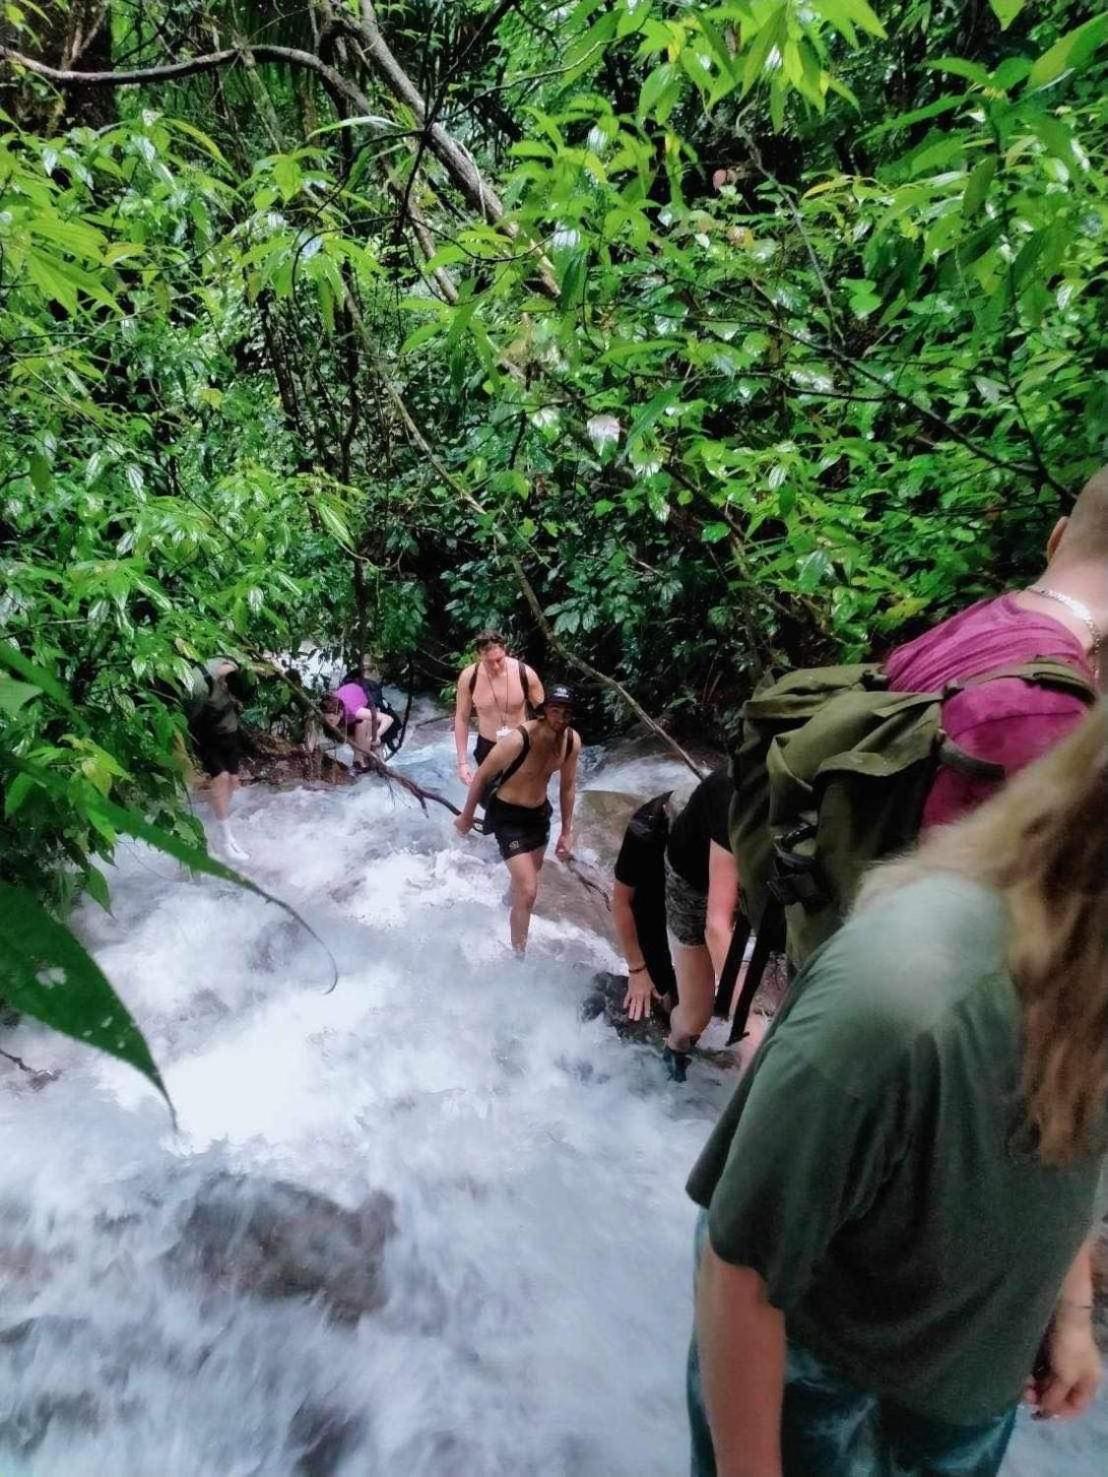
567, 791
535, 687
1073, 1360
723, 895
463, 706
641, 989
498, 759
741, 1344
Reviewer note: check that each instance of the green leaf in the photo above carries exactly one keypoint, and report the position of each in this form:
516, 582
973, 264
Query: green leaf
286, 174
334, 522
96, 885
14, 694
17, 793
712, 533
655, 85
42, 474
977, 186
200, 137
1006, 11
47, 973
956, 66
573, 280
16, 662
1073, 50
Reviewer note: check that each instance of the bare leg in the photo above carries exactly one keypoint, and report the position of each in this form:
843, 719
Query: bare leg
696, 994
223, 786
363, 742
524, 872
220, 791
384, 723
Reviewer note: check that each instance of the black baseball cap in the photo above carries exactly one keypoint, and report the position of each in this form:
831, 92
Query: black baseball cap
561, 695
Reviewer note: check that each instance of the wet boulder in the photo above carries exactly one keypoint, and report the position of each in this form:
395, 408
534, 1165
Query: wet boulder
270, 1239
605, 998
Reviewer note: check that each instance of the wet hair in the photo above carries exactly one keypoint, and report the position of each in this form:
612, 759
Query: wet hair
484, 639
1042, 844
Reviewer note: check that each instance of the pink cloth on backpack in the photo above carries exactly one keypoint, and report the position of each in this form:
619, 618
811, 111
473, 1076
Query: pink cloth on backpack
1009, 722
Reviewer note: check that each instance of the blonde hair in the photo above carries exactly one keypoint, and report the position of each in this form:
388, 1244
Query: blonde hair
1042, 843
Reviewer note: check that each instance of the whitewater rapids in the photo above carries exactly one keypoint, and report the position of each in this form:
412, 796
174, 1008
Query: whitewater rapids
533, 1304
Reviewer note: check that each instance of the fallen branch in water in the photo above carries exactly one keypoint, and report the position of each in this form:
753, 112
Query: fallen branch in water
573, 865
375, 763
39, 1077
595, 673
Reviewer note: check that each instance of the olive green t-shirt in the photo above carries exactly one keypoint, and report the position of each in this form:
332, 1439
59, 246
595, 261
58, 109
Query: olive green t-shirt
875, 1168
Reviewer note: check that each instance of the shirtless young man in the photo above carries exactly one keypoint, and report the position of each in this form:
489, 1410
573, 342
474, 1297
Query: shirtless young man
518, 814
499, 687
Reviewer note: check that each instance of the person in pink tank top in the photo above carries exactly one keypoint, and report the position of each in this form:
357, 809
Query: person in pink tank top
1059, 618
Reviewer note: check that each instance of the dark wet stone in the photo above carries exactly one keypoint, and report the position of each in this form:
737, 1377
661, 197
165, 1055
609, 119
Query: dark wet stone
605, 998
323, 1439
55, 1325
25, 1427
270, 1239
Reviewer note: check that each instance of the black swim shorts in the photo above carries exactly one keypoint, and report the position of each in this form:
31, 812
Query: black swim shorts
518, 828
483, 748
219, 753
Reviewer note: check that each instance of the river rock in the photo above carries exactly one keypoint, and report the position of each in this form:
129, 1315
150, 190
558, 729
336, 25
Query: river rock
599, 821
270, 1239
606, 997
323, 1439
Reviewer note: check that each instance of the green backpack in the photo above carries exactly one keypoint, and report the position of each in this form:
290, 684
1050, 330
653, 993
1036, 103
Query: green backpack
831, 774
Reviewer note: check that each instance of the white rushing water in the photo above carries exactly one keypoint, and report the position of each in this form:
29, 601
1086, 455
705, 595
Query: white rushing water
533, 1300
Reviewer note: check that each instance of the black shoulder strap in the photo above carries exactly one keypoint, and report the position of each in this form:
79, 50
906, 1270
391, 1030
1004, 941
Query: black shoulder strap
524, 682
473, 680
520, 757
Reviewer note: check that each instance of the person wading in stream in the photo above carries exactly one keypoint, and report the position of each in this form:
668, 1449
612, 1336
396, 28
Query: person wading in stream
517, 812
500, 689
213, 717
897, 1202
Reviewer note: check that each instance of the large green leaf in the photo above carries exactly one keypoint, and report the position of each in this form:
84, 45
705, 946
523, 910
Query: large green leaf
47, 973
1073, 50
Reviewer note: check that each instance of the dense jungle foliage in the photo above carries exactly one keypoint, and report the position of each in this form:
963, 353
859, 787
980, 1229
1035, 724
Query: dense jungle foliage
687, 337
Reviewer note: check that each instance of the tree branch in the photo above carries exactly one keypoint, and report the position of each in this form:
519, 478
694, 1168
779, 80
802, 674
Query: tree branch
335, 82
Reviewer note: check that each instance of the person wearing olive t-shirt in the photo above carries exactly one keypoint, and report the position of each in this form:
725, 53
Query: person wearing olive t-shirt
898, 1201
702, 891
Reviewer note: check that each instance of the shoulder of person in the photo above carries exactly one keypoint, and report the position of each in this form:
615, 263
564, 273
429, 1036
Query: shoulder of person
894, 972
466, 673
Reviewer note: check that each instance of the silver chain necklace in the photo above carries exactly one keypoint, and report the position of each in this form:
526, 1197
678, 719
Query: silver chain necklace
1083, 614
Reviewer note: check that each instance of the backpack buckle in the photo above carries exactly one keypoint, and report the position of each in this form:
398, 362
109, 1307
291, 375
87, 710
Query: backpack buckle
794, 877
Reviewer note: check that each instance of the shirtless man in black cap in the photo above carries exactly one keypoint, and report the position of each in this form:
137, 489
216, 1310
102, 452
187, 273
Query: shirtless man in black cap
518, 812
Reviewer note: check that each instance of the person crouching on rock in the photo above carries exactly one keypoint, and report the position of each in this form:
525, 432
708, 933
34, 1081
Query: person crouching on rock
366, 726
639, 910
517, 811
702, 893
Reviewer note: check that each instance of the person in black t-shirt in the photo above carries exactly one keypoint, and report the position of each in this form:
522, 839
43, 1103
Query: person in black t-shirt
639, 909
701, 892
